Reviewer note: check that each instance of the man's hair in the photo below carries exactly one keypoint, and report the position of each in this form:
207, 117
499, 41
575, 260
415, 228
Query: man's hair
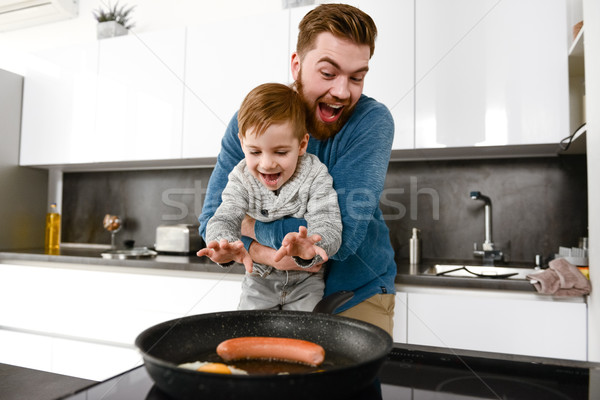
342, 21
272, 103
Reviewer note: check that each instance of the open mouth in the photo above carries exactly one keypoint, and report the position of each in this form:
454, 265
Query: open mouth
329, 112
270, 179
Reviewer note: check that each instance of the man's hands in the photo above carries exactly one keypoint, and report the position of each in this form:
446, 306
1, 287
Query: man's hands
299, 244
223, 252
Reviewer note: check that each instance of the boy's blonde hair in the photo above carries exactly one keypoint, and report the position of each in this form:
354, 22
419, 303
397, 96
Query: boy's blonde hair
272, 103
341, 20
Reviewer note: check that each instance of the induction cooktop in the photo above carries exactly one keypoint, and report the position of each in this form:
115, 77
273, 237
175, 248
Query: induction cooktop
418, 372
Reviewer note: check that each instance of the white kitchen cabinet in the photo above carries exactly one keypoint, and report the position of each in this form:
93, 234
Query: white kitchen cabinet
82, 359
59, 106
502, 322
391, 69
118, 99
95, 361
25, 350
73, 312
490, 73
400, 318
140, 97
224, 61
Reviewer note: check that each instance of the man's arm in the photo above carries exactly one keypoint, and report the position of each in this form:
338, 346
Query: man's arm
265, 255
230, 155
359, 174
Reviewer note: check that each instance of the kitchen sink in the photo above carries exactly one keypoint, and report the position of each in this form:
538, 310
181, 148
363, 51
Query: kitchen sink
480, 271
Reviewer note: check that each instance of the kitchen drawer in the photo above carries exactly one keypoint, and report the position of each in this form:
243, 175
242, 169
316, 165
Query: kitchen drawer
538, 326
113, 305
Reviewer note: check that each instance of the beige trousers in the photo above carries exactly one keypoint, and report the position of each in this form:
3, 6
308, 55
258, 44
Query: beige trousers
377, 310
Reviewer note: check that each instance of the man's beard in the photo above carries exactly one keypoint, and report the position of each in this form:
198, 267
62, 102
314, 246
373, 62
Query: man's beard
317, 128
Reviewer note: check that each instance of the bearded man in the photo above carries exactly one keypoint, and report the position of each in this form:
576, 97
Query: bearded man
352, 135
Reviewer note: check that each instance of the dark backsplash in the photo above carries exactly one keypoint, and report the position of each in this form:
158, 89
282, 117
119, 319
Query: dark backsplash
538, 204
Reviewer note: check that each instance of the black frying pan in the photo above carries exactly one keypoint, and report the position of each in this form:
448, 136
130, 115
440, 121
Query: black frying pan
355, 351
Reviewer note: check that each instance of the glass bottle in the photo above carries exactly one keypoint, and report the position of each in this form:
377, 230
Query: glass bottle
52, 244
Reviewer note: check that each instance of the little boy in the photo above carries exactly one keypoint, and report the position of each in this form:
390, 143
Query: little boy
276, 179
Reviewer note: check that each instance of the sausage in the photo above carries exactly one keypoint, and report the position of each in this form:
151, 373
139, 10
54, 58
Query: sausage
271, 348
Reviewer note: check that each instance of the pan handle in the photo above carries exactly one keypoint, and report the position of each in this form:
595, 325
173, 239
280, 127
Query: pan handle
330, 303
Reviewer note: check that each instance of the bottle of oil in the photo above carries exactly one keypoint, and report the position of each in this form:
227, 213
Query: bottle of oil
52, 230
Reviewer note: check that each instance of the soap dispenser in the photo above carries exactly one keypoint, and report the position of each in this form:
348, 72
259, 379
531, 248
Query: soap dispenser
415, 247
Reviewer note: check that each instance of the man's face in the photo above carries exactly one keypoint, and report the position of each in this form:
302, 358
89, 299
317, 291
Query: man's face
330, 79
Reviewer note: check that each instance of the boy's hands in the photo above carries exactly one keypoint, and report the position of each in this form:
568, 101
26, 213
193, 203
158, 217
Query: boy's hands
223, 252
299, 244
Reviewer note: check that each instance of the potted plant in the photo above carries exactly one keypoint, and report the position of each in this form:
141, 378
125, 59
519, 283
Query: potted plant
113, 21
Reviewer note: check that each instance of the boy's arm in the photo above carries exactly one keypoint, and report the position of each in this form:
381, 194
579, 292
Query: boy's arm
323, 215
226, 222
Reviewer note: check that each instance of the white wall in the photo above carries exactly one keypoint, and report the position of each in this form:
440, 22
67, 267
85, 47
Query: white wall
23, 206
148, 15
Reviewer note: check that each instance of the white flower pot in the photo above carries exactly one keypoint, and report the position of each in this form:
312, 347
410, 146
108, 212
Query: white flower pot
109, 29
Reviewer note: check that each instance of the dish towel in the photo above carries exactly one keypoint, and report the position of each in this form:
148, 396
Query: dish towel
561, 279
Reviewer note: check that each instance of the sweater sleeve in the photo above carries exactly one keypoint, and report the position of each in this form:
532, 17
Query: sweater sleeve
226, 222
230, 155
322, 216
323, 213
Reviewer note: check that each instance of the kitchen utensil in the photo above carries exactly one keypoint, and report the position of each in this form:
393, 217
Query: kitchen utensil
139, 252
356, 351
180, 238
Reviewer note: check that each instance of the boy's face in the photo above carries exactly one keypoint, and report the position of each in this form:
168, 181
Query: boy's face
330, 79
272, 157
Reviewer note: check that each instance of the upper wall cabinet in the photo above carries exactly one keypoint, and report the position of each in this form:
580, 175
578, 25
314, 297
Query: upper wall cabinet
453, 74
490, 73
59, 103
140, 97
118, 99
391, 69
224, 62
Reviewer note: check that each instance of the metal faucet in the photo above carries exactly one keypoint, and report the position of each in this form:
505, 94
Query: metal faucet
489, 252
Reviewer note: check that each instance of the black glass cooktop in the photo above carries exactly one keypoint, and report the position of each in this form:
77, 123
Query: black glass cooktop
417, 372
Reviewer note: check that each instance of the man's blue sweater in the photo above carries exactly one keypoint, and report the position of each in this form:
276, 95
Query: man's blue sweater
357, 158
